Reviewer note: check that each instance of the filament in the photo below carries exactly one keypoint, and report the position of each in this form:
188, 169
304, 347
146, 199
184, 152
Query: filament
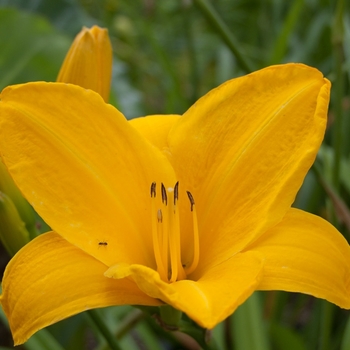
166, 234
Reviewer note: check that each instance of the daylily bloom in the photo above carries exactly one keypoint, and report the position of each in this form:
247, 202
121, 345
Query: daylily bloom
193, 211
88, 62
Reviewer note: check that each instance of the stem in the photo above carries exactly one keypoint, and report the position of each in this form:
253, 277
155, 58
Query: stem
175, 99
190, 41
129, 322
338, 91
326, 323
290, 22
199, 334
248, 326
221, 27
228, 333
95, 317
338, 36
126, 325
170, 316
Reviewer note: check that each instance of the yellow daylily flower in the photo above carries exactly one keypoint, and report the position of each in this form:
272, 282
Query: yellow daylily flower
88, 62
193, 211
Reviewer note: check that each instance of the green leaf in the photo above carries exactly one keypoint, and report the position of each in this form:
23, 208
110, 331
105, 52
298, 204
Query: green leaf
43, 340
31, 49
288, 27
283, 338
249, 330
345, 345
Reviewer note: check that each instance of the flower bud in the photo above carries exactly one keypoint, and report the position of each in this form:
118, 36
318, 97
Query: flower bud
88, 62
13, 232
23, 208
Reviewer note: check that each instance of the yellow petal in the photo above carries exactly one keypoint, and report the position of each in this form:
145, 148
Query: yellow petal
85, 170
155, 128
210, 299
306, 254
42, 285
244, 149
88, 62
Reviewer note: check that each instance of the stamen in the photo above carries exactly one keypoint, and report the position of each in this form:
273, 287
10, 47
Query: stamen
166, 234
164, 195
195, 260
173, 245
163, 230
160, 216
180, 269
153, 190
156, 245
191, 199
176, 192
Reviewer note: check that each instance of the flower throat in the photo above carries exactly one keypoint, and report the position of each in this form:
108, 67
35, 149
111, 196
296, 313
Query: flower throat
166, 234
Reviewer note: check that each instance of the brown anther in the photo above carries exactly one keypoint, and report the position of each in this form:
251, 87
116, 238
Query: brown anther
153, 190
164, 195
176, 192
190, 197
159, 216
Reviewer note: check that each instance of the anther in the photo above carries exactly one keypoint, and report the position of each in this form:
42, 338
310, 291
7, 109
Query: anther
159, 216
176, 192
153, 189
191, 199
195, 260
157, 219
164, 195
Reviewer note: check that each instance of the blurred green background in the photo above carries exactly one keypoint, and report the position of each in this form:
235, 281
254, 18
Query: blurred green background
166, 55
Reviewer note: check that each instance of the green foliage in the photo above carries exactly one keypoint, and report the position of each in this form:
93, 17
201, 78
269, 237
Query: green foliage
249, 328
31, 49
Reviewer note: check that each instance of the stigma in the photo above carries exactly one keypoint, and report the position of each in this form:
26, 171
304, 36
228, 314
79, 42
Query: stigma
166, 233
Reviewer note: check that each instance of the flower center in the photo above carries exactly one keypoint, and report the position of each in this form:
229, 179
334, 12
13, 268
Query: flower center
166, 234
